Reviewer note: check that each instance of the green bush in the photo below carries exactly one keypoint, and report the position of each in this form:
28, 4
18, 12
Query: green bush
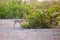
13, 9
44, 18
35, 14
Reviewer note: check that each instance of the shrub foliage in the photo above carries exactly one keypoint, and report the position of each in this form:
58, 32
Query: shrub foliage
34, 14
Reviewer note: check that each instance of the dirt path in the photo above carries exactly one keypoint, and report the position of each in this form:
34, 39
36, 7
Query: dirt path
8, 32
29, 34
8, 23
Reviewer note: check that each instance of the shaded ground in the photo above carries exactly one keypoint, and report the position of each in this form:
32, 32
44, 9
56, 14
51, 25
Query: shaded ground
9, 23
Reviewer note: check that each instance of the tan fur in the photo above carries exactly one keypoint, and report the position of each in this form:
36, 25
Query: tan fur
17, 21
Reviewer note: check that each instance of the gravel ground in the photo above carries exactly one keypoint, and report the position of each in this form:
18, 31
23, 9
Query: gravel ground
8, 23
29, 34
8, 32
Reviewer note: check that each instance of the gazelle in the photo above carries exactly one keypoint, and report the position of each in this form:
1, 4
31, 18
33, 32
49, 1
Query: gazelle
17, 21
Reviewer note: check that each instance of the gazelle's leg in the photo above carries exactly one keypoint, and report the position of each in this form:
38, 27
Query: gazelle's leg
20, 25
14, 23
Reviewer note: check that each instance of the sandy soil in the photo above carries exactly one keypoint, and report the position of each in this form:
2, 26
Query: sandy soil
8, 32
29, 34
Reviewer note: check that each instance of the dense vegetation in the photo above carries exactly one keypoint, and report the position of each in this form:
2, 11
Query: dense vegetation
34, 14
42, 15
10, 10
